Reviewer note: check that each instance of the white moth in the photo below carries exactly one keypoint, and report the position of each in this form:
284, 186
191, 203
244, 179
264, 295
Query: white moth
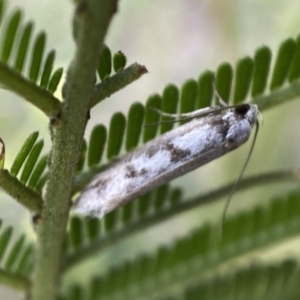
169, 156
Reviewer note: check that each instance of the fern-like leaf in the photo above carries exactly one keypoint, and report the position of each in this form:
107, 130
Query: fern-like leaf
190, 264
118, 227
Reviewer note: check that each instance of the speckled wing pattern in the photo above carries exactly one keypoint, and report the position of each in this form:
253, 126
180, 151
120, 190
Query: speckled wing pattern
167, 157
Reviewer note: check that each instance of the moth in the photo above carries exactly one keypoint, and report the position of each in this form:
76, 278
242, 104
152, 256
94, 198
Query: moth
211, 133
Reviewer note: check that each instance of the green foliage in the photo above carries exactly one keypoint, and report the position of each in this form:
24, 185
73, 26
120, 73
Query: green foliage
224, 76
23, 48
283, 63
12, 27
34, 167
96, 145
205, 83
38, 172
170, 98
262, 61
119, 61
294, 71
243, 77
115, 135
134, 126
104, 67
23, 153
188, 97
190, 263
31, 161
54, 80
36, 59
196, 266
151, 117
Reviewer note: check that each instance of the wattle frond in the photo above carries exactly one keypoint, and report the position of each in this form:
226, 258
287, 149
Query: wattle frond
203, 263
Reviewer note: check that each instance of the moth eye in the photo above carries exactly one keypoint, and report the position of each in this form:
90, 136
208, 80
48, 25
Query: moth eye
242, 109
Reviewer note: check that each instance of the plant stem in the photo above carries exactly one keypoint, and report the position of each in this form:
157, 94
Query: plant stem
92, 18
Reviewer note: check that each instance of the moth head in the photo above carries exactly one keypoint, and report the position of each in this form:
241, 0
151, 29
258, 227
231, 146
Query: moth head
248, 111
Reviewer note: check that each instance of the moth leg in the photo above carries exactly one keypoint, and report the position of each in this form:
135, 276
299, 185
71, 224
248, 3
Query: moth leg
160, 112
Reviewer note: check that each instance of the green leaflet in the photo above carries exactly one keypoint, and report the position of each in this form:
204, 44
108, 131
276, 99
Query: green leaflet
36, 56
244, 70
47, 69
134, 125
96, 145
23, 153
188, 97
170, 98
151, 117
115, 135
119, 61
31, 161
10, 34
105, 61
23, 47
54, 80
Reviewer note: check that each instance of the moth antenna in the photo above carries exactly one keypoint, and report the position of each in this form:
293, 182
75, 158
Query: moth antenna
193, 115
239, 178
162, 114
166, 122
221, 101
168, 115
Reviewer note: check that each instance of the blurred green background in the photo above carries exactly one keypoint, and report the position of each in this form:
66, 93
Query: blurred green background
175, 40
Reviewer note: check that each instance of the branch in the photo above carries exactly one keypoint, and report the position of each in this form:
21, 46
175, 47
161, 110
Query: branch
91, 22
24, 195
184, 206
28, 90
117, 82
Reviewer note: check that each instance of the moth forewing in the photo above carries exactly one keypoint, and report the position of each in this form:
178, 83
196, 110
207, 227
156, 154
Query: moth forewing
167, 157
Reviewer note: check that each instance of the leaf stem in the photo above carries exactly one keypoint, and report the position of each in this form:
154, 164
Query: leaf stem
28, 90
24, 195
15, 281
